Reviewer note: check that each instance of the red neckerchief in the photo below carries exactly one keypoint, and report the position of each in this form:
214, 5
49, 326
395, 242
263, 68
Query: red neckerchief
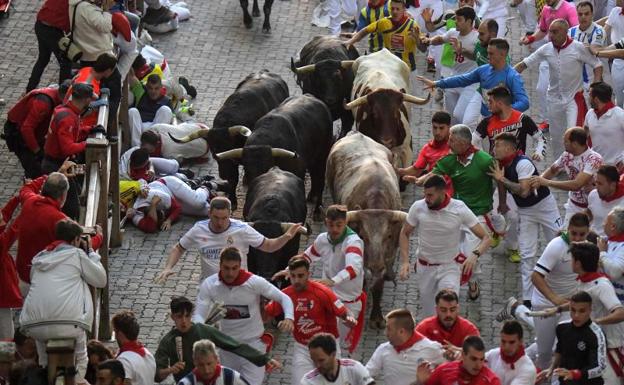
243, 276
435, 144
511, 360
599, 112
505, 162
381, 4
400, 22
588, 277
463, 157
416, 336
568, 41
445, 202
54, 245
208, 380
132, 346
140, 172
616, 238
144, 70
619, 192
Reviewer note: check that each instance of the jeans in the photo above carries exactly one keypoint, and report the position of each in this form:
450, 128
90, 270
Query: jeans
47, 40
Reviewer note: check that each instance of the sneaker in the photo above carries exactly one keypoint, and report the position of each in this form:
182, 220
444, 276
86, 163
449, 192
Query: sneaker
187, 173
217, 185
513, 255
431, 65
474, 290
496, 240
190, 90
506, 312
157, 16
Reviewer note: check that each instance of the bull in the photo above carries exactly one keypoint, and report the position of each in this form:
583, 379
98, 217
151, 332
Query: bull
324, 70
248, 21
380, 94
254, 97
274, 200
360, 175
296, 137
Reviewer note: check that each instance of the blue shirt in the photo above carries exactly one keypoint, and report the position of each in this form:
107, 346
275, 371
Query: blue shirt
489, 78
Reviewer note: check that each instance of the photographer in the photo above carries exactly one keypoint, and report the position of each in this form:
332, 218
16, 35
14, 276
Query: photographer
59, 302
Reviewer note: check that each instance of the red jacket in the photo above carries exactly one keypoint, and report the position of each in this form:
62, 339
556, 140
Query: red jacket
32, 114
10, 295
35, 225
453, 373
55, 13
432, 328
63, 136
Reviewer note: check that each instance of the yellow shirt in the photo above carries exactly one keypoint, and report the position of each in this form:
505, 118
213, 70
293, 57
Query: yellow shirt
398, 40
370, 15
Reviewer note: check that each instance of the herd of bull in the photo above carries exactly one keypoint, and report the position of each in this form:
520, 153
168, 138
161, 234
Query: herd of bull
277, 138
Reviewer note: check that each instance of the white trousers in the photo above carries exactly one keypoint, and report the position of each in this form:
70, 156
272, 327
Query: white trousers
502, 26
526, 9
41, 334
193, 202
545, 336
7, 329
544, 216
618, 81
561, 116
163, 166
465, 106
470, 242
336, 8
541, 87
432, 279
571, 209
355, 308
252, 373
163, 115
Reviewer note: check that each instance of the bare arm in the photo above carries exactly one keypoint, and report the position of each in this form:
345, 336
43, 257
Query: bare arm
172, 259
615, 317
568, 185
483, 235
437, 40
540, 284
611, 54
274, 244
404, 237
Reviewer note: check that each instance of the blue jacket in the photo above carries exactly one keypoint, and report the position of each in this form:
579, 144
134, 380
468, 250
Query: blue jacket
489, 78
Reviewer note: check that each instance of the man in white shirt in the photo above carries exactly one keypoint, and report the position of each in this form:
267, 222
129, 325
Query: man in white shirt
509, 362
589, 33
566, 58
612, 250
439, 220
605, 124
241, 293
464, 104
614, 29
580, 163
608, 194
220, 231
139, 364
331, 370
398, 359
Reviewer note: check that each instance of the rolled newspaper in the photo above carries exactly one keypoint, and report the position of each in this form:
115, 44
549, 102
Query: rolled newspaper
217, 313
539, 313
178, 343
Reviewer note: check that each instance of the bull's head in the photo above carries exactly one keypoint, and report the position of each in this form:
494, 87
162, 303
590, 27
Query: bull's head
379, 229
379, 115
256, 159
328, 80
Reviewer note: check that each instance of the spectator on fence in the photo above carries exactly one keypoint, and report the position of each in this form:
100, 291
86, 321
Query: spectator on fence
59, 303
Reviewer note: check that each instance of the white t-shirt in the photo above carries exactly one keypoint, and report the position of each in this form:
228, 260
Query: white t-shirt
607, 134
524, 169
242, 303
209, 244
600, 209
565, 68
588, 162
468, 42
439, 231
604, 301
616, 21
556, 266
523, 373
399, 368
350, 372
139, 370
613, 265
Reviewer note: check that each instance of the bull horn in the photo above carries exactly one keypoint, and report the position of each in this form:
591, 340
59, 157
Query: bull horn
357, 102
353, 215
413, 99
287, 225
304, 70
281, 153
346, 64
236, 153
400, 215
239, 130
190, 137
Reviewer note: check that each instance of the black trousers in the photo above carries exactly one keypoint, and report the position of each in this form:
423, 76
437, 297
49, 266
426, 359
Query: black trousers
72, 203
113, 83
47, 40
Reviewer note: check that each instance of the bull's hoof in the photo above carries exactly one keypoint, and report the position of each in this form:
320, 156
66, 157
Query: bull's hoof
377, 323
266, 28
248, 21
389, 275
255, 12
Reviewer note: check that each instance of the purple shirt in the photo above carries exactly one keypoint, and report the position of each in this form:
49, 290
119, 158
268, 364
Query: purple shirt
563, 10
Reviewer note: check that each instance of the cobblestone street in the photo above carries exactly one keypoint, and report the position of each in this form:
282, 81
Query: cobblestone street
215, 51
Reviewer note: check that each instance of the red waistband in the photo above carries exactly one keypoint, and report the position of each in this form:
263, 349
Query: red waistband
358, 298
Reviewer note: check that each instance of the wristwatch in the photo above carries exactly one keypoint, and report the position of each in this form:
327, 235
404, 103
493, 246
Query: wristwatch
476, 252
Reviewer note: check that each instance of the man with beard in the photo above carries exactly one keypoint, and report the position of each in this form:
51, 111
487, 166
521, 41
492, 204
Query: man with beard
608, 194
439, 220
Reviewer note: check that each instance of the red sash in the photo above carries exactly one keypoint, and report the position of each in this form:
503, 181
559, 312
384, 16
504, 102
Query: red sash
354, 335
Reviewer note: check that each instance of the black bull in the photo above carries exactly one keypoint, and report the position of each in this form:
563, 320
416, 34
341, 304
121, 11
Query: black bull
274, 199
296, 137
254, 97
324, 70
